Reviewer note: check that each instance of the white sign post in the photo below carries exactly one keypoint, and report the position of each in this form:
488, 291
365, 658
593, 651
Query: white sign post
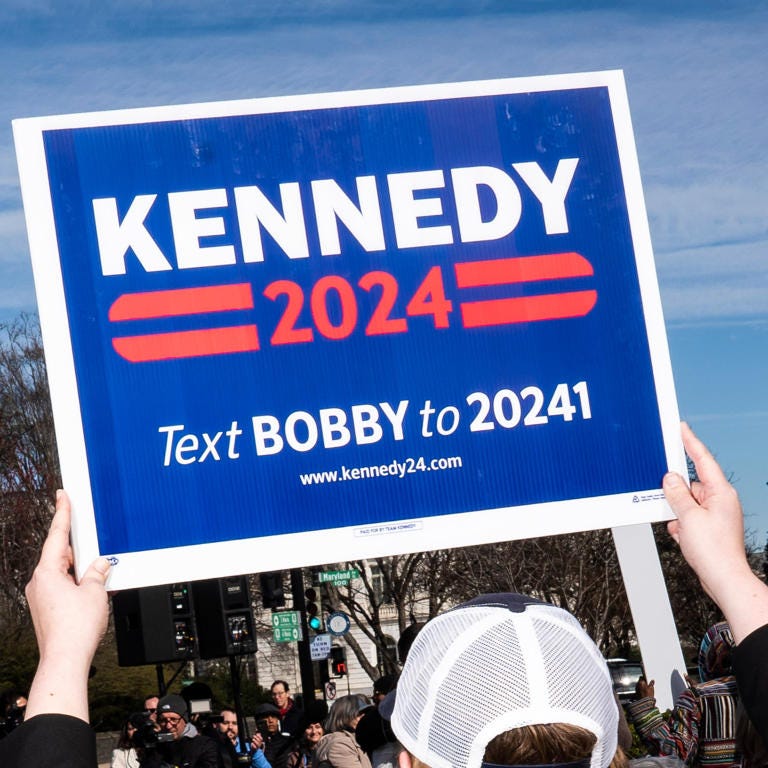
652, 614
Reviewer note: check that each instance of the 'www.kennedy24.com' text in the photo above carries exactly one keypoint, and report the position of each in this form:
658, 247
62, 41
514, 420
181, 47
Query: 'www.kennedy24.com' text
398, 469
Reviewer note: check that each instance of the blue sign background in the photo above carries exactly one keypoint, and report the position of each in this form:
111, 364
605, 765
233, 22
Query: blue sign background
141, 504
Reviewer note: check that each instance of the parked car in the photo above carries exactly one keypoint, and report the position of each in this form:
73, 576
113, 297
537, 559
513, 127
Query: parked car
625, 675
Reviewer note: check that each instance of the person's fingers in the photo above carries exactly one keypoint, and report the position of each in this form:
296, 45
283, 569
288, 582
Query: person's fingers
56, 552
707, 468
698, 491
673, 529
678, 495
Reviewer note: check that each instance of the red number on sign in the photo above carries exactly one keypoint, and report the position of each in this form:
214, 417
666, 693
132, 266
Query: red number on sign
429, 299
347, 305
380, 321
286, 331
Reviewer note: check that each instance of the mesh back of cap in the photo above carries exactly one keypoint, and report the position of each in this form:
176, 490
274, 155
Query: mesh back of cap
475, 672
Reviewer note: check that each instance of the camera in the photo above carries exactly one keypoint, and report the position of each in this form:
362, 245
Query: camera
146, 736
205, 721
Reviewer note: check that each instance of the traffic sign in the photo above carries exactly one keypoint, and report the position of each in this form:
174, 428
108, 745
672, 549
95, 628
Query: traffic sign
286, 627
320, 647
338, 578
338, 623
286, 619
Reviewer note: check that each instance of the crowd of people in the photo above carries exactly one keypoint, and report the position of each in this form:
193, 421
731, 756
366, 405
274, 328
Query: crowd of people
285, 735
502, 680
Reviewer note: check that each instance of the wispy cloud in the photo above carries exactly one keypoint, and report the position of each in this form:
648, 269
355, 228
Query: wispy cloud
695, 78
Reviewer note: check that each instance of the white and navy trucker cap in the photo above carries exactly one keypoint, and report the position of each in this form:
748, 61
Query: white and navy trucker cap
495, 663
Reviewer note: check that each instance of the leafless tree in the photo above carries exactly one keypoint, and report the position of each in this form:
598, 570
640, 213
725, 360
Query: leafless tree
578, 572
693, 611
402, 589
29, 473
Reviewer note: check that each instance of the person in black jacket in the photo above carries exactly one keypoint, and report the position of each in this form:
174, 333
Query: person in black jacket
188, 748
291, 716
277, 746
373, 732
69, 619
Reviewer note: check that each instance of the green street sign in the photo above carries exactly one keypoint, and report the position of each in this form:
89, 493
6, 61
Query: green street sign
338, 578
286, 634
286, 627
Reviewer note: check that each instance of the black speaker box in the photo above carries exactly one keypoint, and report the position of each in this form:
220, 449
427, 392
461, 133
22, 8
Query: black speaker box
224, 617
154, 625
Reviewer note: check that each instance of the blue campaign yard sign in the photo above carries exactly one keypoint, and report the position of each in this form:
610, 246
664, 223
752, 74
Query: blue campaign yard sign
298, 330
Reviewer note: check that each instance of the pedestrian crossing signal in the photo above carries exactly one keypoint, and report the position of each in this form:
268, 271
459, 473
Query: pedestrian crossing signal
338, 661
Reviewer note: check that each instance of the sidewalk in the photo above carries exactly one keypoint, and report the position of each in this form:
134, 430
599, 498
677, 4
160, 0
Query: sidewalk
105, 743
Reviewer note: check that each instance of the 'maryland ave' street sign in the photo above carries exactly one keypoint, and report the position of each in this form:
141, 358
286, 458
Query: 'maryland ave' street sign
338, 578
297, 330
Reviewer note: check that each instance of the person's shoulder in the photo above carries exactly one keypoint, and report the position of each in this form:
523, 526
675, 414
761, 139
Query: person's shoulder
208, 740
345, 740
757, 639
334, 738
49, 734
52, 725
321, 749
200, 742
720, 686
280, 743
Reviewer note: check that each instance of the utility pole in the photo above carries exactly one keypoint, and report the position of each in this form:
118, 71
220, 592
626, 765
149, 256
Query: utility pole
306, 669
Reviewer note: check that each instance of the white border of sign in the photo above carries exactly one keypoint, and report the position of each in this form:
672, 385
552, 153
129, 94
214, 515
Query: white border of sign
338, 544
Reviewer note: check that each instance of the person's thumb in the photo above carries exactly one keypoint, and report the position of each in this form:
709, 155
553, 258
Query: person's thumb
97, 571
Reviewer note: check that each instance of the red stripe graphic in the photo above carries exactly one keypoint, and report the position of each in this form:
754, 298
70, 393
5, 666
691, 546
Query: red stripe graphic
524, 269
168, 346
182, 301
526, 309
521, 269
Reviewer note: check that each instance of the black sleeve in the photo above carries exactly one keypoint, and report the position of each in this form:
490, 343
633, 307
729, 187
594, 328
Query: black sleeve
209, 754
750, 665
50, 741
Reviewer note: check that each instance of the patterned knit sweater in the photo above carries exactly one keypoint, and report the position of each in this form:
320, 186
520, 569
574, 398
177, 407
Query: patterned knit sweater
700, 730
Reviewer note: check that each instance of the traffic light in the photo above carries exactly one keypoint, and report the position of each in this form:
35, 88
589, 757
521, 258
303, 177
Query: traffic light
272, 594
311, 606
338, 661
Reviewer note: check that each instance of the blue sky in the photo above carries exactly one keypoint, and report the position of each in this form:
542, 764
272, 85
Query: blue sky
695, 75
